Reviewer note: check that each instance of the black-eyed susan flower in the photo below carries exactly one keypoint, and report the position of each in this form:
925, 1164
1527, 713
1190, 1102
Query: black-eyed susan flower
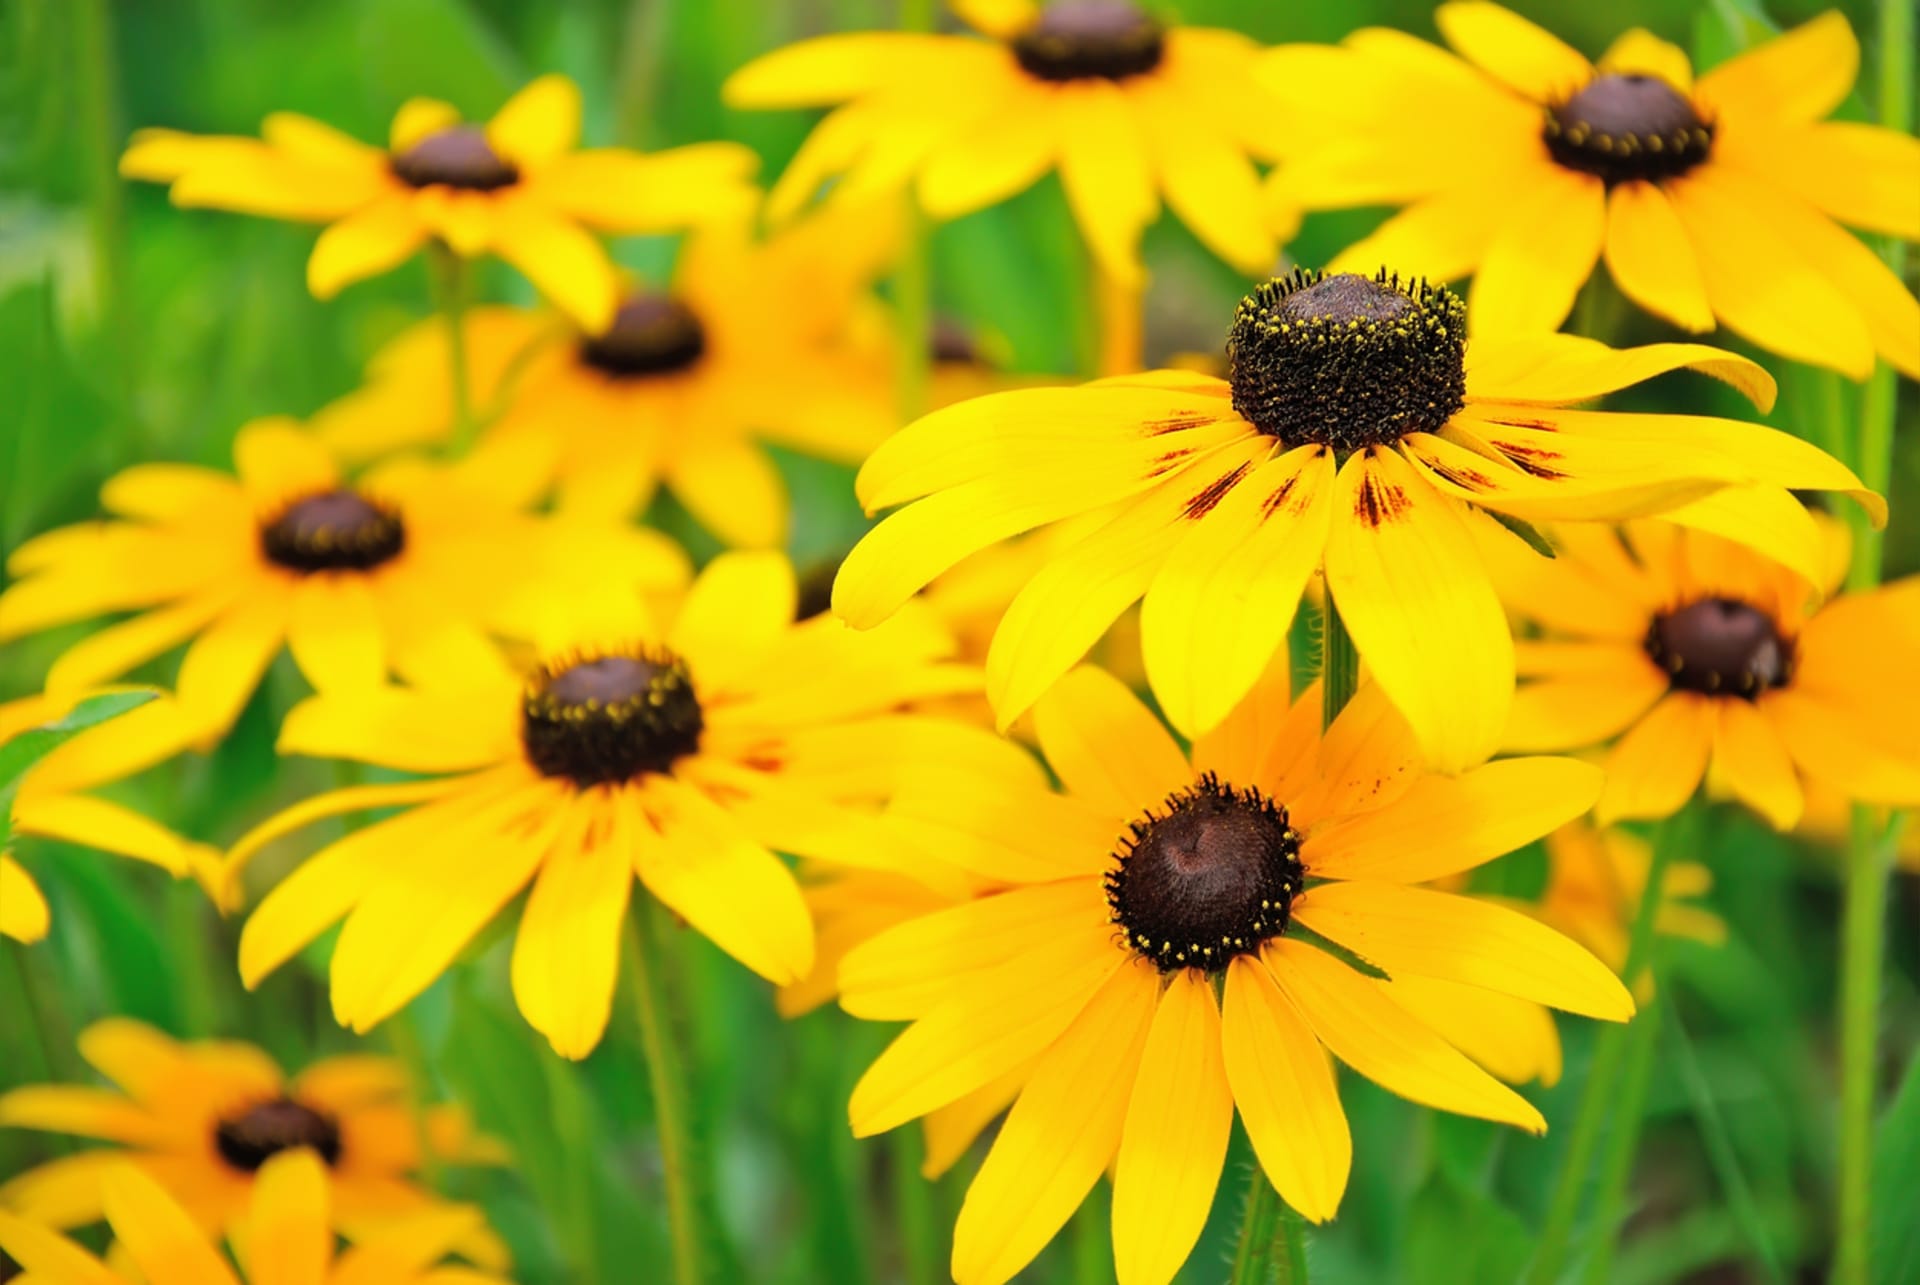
1698, 659
203, 1118
1128, 109
685, 757
52, 799
753, 342
1267, 862
355, 578
1595, 879
285, 1237
1716, 199
515, 187
1357, 432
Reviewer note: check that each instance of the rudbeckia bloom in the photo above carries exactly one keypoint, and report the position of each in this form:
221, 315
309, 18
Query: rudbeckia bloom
1268, 861
685, 760
516, 187
1358, 432
754, 341
1595, 878
1127, 109
1711, 199
286, 1238
1706, 661
52, 800
203, 1118
354, 577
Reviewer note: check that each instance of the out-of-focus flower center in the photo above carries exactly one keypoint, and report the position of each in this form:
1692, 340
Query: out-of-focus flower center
611, 718
265, 1129
457, 157
333, 531
1347, 361
1623, 127
1090, 39
652, 334
951, 343
1722, 647
1211, 877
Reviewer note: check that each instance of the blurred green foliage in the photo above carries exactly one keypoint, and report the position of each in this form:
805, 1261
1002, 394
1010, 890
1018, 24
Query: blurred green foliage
132, 331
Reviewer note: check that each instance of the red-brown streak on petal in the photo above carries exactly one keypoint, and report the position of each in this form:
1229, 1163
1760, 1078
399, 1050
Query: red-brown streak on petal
1176, 423
1202, 504
1279, 497
1459, 475
1528, 458
1169, 462
1379, 502
1543, 425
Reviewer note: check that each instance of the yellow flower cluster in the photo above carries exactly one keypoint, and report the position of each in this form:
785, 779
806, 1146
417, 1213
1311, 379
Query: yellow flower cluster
1169, 915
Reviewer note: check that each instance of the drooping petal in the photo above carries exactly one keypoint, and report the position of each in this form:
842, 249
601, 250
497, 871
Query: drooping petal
44, 1254
1001, 154
734, 613
288, 1235
1514, 1039
619, 191
1574, 711
732, 488
563, 260
335, 634
1863, 175
1555, 370
23, 908
567, 952
157, 1233
1208, 181
1103, 166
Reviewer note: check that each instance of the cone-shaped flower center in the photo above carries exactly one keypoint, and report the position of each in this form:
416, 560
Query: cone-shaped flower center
611, 718
250, 1139
1083, 39
652, 334
1722, 647
1211, 878
333, 531
457, 157
1347, 361
1627, 127
950, 342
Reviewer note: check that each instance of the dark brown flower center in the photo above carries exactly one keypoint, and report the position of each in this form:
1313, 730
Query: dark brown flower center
1212, 877
250, 1139
8, 1268
611, 718
1347, 361
1086, 39
1627, 127
952, 342
1720, 646
333, 531
652, 334
457, 157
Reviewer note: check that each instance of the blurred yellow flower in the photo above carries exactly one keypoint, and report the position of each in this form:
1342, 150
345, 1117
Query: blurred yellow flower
1696, 658
1357, 431
754, 341
285, 1237
686, 758
1128, 109
1595, 879
203, 1118
354, 578
1716, 199
1267, 861
516, 187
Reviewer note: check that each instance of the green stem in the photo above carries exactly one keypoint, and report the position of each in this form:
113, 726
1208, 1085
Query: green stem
98, 103
1629, 1102
1253, 1260
405, 1041
1599, 1097
1863, 937
1339, 665
1720, 1151
450, 289
671, 1109
569, 1109
1293, 1239
913, 1205
16, 990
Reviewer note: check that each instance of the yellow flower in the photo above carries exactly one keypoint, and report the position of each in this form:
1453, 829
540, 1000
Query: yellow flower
1595, 880
753, 342
1264, 858
685, 759
1358, 432
354, 578
516, 187
52, 802
1704, 660
1127, 110
203, 1118
285, 1238
1711, 199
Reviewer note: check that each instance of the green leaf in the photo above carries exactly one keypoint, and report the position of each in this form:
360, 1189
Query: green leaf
1527, 532
1896, 1168
19, 755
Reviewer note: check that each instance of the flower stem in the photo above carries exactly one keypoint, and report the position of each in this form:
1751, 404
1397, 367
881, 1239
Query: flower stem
1726, 1161
1604, 1090
1629, 1100
569, 1114
1253, 1260
913, 1205
450, 289
670, 1104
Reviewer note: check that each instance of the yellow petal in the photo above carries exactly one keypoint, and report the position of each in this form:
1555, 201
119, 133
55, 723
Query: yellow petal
46, 1255
23, 910
1001, 18
1208, 181
417, 119
367, 242
279, 461
1060, 1136
1514, 1039
1750, 763
1442, 237
1536, 64
288, 1235
537, 124
1354, 1017
827, 69
1862, 175
1589, 708
1001, 154
567, 953
1174, 1141
408, 729
223, 665
1766, 519
1556, 370
1799, 76
564, 262
1221, 605
96, 823
1408, 582
112, 651
1542, 254
1441, 825
1106, 747
1283, 1084
1844, 748
157, 1233
1651, 260
1656, 766
624, 192
1463, 939
334, 634
734, 613
1638, 50
1103, 166
731, 487
951, 1129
